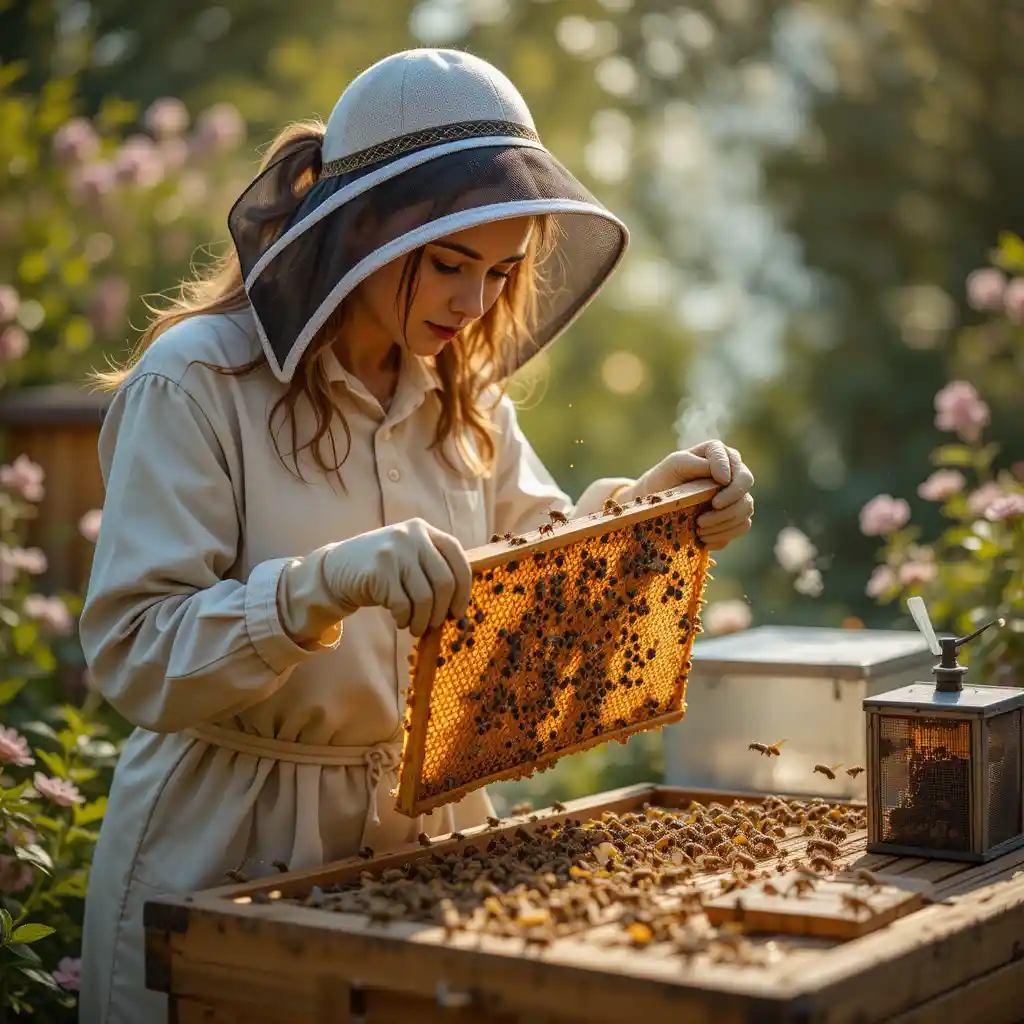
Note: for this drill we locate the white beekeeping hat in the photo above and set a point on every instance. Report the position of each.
(422, 144)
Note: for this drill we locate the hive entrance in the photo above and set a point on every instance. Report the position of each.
(571, 638)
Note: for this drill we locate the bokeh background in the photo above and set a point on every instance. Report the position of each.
(826, 201)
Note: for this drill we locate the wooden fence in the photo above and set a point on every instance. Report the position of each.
(58, 427)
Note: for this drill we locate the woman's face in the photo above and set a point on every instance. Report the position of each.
(460, 277)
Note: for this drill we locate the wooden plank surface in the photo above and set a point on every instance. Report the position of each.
(837, 908)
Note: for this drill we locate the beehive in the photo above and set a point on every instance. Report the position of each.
(576, 634)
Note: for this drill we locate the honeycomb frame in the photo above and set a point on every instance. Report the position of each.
(652, 591)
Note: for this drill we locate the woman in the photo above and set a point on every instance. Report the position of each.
(294, 467)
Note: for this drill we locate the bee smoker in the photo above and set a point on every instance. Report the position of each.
(945, 775)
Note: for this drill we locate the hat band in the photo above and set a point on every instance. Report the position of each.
(426, 137)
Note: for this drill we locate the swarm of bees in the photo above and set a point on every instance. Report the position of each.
(639, 877)
(829, 771)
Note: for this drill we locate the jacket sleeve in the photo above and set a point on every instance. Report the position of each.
(170, 639)
(524, 489)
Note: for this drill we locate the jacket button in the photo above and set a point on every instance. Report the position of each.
(394, 475)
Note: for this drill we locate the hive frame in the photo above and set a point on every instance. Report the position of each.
(489, 556)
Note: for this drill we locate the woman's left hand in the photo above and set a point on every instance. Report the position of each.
(732, 507)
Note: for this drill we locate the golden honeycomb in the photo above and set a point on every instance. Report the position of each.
(573, 637)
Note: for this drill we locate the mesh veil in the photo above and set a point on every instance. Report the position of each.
(349, 225)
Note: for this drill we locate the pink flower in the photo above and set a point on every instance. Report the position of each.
(978, 502)
(985, 289)
(942, 485)
(1013, 299)
(726, 617)
(24, 476)
(69, 973)
(13, 343)
(29, 560)
(883, 515)
(138, 162)
(174, 153)
(912, 573)
(59, 791)
(89, 524)
(794, 550)
(15, 874)
(75, 142)
(9, 303)
(883, 579)
(960, 409)
(1009, 506)
(219, 129)
(165, 117)
(51, 611)
(14, 747)
(90, 185)
(108, 303)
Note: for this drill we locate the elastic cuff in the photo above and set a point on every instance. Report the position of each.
(263, 623)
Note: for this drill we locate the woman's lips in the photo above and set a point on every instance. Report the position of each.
(447, 333)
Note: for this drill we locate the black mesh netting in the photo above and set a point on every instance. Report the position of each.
(289, 293)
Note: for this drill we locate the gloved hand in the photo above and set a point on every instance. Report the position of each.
(415, 571)
(732, 506)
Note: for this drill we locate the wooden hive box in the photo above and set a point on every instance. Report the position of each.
(253, 952)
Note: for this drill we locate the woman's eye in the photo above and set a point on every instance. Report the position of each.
(498, 273)
(444, 268)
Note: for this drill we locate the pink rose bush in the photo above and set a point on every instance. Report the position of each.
(973, 571)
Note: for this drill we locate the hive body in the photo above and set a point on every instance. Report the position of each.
(573, 637)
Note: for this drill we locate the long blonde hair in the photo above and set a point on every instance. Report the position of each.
(465, 369)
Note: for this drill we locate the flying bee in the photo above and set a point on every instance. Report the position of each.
(855, 771)
(761, 748)
(828, 772)
(773, 748)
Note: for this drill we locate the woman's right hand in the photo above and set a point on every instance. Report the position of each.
(419, 573)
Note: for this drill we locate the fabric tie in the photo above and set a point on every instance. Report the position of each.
(376, 759)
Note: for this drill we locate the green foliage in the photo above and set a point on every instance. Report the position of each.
(973, 570)
(94, 216)
(56, 764)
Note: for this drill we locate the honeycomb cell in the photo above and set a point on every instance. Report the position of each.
(570, 640)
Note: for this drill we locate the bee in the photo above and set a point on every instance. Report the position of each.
(558, 806)
(821, 863)
(558, 518)
(653, 499)
(545, 528)
(612, 507)
(524, 807)
(493, 821)
(770, 890)
(457, 835)
(423, 839)
(768, 749)
(516, 541)
(865, 876)
(828, 772)
(855, 771)
(495, 538)
(827, 848)
(280, 865)
(855, 904)
(801, 886)
(237, 876)
(366, 853)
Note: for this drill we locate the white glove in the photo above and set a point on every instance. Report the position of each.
(732, 506)
(417, 572)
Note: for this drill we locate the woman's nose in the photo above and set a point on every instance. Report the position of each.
(468, 301)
